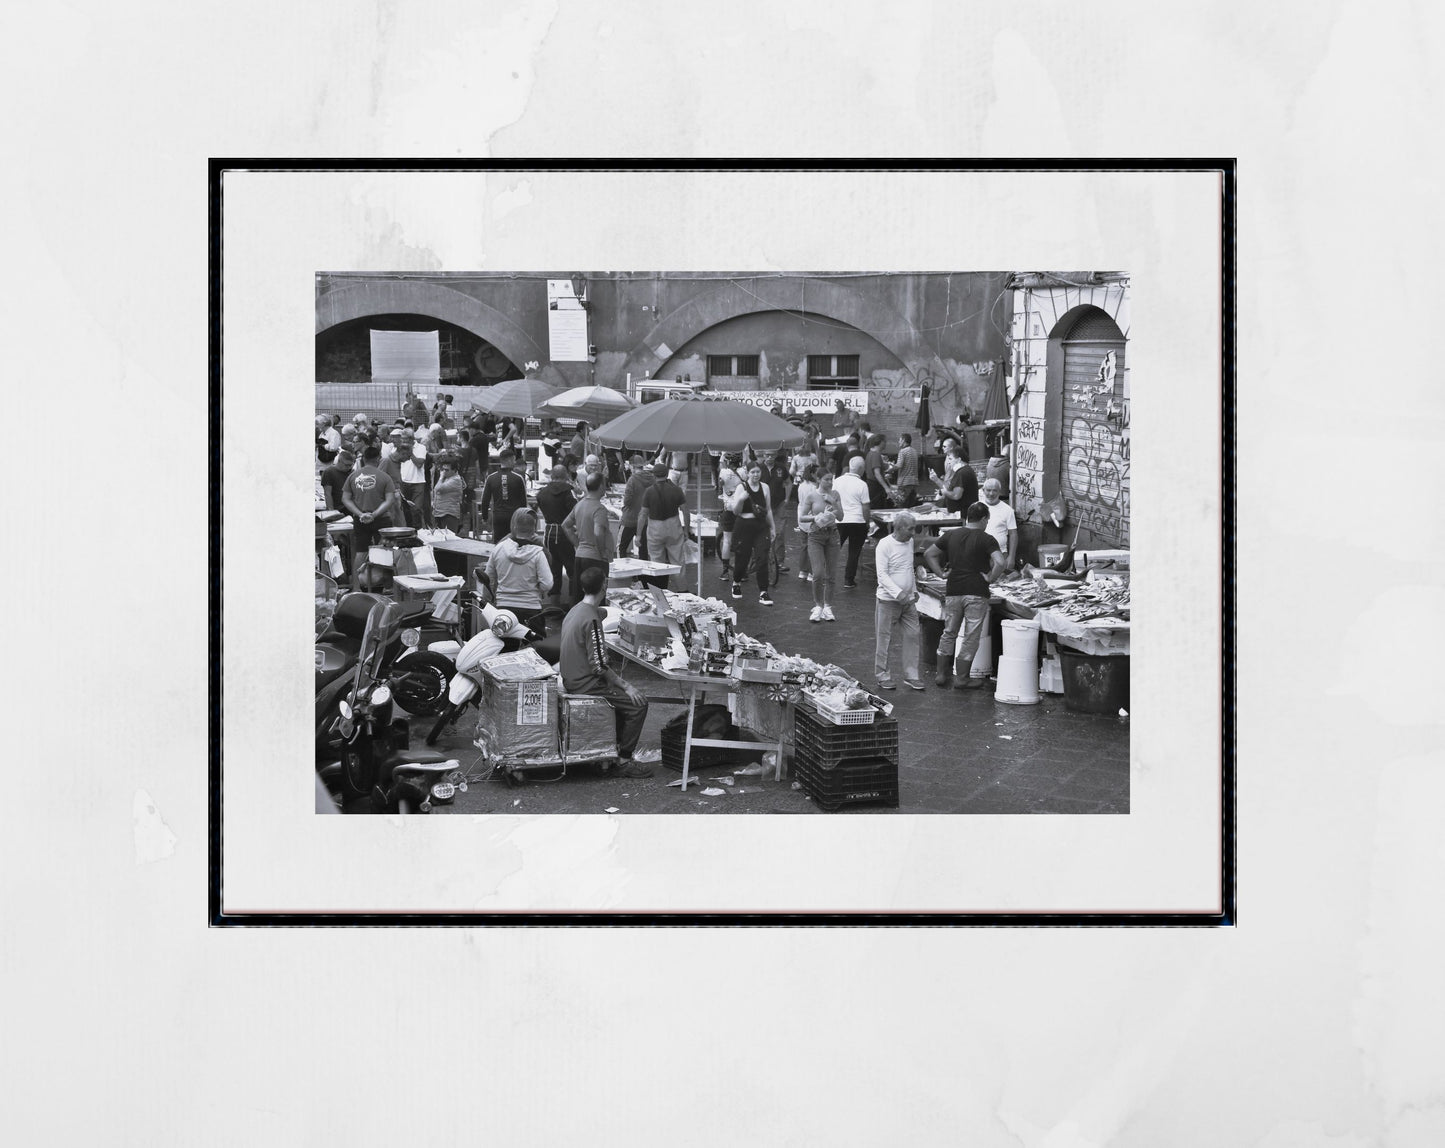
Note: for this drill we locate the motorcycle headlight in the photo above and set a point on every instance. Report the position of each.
(411, 637)
(381, 695)
(443, 791)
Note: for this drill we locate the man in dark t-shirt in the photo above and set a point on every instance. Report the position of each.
(503, 494)
(371, 498)
(586, 670)
(334, 477)
(970, 557)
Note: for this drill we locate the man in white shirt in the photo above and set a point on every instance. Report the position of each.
(1001, 521)
(897, 593)
(853, 526)
(410, 455)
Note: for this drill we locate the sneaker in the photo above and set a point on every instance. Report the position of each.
(784, 569)
(737, 590)
(913, 685)
(816, 615)
(809, 577)
(763, 599)
(850, 585)
(884, 685)
(804, 576)
(828, 614)
(631, 768)
(726, 573)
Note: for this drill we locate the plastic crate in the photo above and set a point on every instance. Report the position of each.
(818, 744)
(674, 741)
(872, 781)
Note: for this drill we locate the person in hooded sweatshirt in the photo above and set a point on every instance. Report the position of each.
(519, 573)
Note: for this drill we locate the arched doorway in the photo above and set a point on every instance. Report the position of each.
(1087, 366)
(343, 351)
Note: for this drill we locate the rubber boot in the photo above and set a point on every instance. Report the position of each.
(941, 679)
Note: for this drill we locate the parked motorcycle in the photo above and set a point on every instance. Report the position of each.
(360, 675)
(504, 633)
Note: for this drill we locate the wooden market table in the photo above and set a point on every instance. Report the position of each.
(697, 683)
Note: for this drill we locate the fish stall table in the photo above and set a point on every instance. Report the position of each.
(694, 684)
(1106, 634)
(473, 552)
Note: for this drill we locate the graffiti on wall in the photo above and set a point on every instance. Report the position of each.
(1096, 471)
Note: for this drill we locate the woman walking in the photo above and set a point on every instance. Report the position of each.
(752, 506)
(807, 484)
(820, 509)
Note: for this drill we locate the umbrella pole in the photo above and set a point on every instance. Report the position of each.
(699, 529)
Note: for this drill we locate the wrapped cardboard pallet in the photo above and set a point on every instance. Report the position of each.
(518, 717)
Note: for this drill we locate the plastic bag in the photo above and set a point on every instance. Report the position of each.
(332, 555)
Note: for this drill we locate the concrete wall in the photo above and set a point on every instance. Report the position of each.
(1038, 317)
(943, 329)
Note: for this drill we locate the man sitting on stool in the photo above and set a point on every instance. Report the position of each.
(585, 670)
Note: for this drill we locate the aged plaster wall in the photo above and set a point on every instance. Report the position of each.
(1102, 446)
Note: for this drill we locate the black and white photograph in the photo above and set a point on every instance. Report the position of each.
(723, 542)
(615, 530)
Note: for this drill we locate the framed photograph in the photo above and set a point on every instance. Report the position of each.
(1019, 375)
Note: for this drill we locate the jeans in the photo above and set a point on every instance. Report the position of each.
(805, 555)
(747, 534)
(889, 615)
(823, 557)
(854, 534)
(628, 534)
(780, 542)
(972, 611)
(631, 716)
(560, 556)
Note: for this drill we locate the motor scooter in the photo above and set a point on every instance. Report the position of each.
(355, 720)
(504, 634)
(417, 678)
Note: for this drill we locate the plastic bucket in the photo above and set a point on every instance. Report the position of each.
(1095, 683)
(1049, 554)
(982, 666)
(1018, 681)
(1021, 639)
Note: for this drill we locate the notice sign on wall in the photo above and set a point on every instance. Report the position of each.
(532, 702)
(566, 323)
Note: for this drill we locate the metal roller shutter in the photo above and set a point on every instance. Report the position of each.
(1094, 459)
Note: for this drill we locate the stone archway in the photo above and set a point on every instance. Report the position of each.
(809, 296)
(410, 296)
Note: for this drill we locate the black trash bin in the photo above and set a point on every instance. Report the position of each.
(1095, 683)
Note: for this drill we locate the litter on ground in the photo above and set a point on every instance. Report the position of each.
(713, 791)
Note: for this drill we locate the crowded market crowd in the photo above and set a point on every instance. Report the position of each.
(804, 513)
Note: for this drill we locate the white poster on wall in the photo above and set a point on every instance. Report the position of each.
(566, 323)
(411, 355)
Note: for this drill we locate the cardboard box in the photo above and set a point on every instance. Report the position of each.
(588, 728)
(522, 665)
(517, 721)
(646, 631)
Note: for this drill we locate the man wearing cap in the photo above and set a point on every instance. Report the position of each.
(637, 486)
(586, 670)
(334, 477)
(519, 574)
(657, 521)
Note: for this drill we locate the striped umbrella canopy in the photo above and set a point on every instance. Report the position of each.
(517, 398)
(595, 404)
(698, 424)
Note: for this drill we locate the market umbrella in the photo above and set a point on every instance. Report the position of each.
(595, 404)
(517, 398)
(698, 424)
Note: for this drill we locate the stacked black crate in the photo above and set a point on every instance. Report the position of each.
(846, 764)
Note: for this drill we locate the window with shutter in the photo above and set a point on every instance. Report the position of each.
(832, 372)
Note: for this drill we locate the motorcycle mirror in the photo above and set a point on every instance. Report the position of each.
(345, 709)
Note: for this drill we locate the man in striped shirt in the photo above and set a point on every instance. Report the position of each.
(906, 468)
(586, 670)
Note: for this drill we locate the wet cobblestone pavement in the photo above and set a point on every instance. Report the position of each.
(959, 751)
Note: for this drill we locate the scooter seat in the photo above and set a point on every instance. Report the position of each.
(417, 757)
